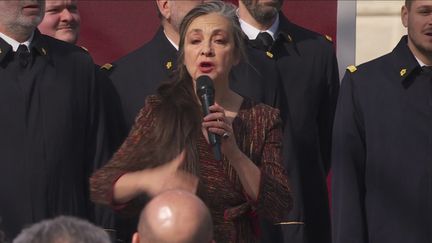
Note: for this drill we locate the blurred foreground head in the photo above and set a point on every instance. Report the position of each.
(63, 229)
(175, 216)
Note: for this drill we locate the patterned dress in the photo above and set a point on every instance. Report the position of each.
(258, 133)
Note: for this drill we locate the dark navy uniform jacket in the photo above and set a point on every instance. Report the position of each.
(382, 152)
(309, 83)
(141, 72)
(256, 78)
(50, 114)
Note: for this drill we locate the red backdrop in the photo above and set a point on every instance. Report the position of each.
(111, 29)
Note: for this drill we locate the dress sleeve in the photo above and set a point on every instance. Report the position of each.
(103, 180)
(274, 199)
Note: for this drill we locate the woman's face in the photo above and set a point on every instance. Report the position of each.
(209, 47)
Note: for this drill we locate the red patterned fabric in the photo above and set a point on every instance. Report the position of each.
(258, 134)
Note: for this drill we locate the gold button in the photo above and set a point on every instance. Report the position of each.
(169, 65)
(269, 54)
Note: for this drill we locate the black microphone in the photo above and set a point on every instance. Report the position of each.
(206, 93)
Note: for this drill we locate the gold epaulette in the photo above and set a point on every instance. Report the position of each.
(352, 68)
(107, 66)
(85, 49)
(328, 38)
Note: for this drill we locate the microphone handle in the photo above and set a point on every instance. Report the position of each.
(206, 102)
(215, 142)
(217, 152)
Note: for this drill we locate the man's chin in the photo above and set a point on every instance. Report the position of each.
(29, 22)
(265, 15)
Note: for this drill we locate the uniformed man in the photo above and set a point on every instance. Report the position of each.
(62, 20)
(382, 152)
(50, 117)
(140, 73)
(308, 74)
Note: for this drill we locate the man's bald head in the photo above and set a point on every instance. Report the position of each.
(175, 216)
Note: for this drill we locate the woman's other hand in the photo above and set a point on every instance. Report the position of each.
(155, 180)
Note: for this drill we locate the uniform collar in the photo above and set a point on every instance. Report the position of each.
(15, 44)
(40, 45)
(420, 62)
(284, 32)
(252, 32)
(9, 45)
(5, 49)
(405, 64)
(171, 41)
(36, 44)
(168, 52)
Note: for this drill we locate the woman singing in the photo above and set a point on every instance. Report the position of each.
(170, 133)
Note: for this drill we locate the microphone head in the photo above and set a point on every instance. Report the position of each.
(204, 84)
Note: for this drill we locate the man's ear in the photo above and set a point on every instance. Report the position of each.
(135, 238)
(404, 16)
(164, 8)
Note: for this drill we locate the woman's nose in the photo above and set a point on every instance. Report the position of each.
(207, 51)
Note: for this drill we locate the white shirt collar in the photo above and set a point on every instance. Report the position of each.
(15, 43)
(172, 42)
(252, 32)
(422, 64)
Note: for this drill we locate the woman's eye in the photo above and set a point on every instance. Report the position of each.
(220, 41)
(195, 41)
